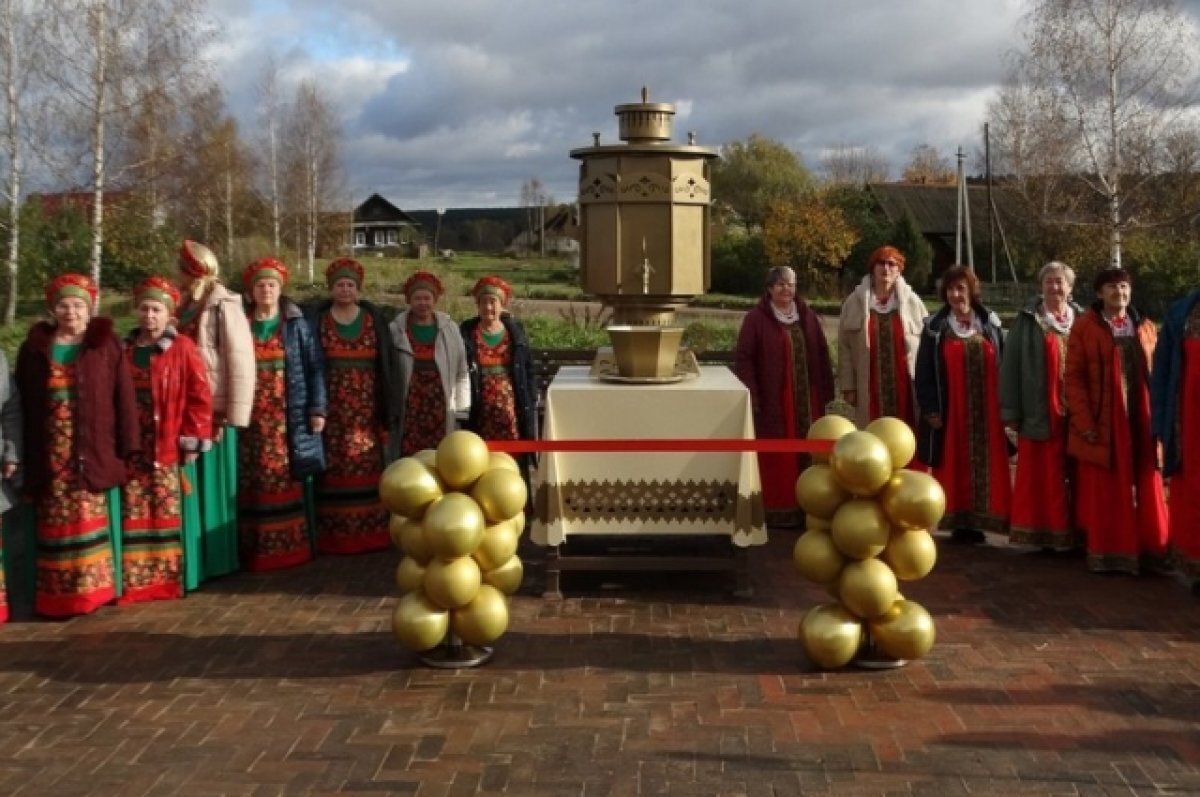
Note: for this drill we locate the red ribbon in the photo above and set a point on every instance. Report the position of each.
(724, 445)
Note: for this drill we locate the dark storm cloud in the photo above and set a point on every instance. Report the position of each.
(474, 96)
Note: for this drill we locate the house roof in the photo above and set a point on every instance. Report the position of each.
(934, 208)
(377, 210)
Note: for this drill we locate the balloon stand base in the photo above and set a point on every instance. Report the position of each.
(877, 662)
(456, 656)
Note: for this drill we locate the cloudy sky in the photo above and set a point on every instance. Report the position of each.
(457, 103)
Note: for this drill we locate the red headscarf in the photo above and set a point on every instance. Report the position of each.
(197, 260)
(263, 268)
(77, 285)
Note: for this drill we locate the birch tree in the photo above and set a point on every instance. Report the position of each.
(112, 59)
(269, 109)
(20, 29)
(1105, 85)
(313, 143)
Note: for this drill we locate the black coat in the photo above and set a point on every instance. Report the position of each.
(520, 371)
(930, 383)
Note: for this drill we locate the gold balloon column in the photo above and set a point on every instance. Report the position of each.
(457, 515)
(868, 522)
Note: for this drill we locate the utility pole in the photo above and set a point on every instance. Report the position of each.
(987, 166)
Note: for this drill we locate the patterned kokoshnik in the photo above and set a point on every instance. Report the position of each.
(151, 507)
(272, 529)
(75, 572)
(350, 517)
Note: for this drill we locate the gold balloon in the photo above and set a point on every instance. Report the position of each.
(860, 529)
(905, 631)
(453, 525)
(861, 463)
(868, 588)
(830, 635)
(409, 537)
(818, 492)
(499, 544)
(507, 577)
(816, 557)
(913, 500)
(462, 457)
(500, 493)
(483, 620)
(897, 436)
(427, 457)
(911, 554)
(814, 523)
(502, 459)
(407, 488)
(409, 574)
(829, 427)
(452, 583)
(417, 623)
(396, 524)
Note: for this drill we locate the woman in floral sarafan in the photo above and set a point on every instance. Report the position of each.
(361, 377)
(282, 445)
(175, 415)
(433, 366)
(503, 386)
(80, 426)
(959, 432)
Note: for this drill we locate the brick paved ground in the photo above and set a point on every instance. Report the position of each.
(1045, 680)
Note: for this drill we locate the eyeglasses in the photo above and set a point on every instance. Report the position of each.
(888, 263)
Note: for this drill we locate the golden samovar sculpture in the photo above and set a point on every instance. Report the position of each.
(644, 233)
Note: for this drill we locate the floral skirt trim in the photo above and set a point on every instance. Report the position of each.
(151, 536)
(1048, 538)
(273, 529)
(75, 569)
(350, 518)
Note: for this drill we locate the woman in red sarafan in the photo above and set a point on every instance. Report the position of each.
(783, 360)
(959, 433)
(79, 415)
(879, 329)
(360, 372)
(282, 445)
(1121, 506)
(175, 415)
(1175, 423)
(1033, 405)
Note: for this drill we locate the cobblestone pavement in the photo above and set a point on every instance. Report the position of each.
(1044, 680)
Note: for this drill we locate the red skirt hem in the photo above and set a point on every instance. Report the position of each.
(154, 592)
(260, 564)
(72, 605)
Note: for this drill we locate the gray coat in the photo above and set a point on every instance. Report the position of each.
(10, 435)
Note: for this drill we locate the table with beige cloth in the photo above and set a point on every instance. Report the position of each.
(638, 494)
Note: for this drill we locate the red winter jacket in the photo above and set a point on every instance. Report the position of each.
(183, 402)
(106, 429)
